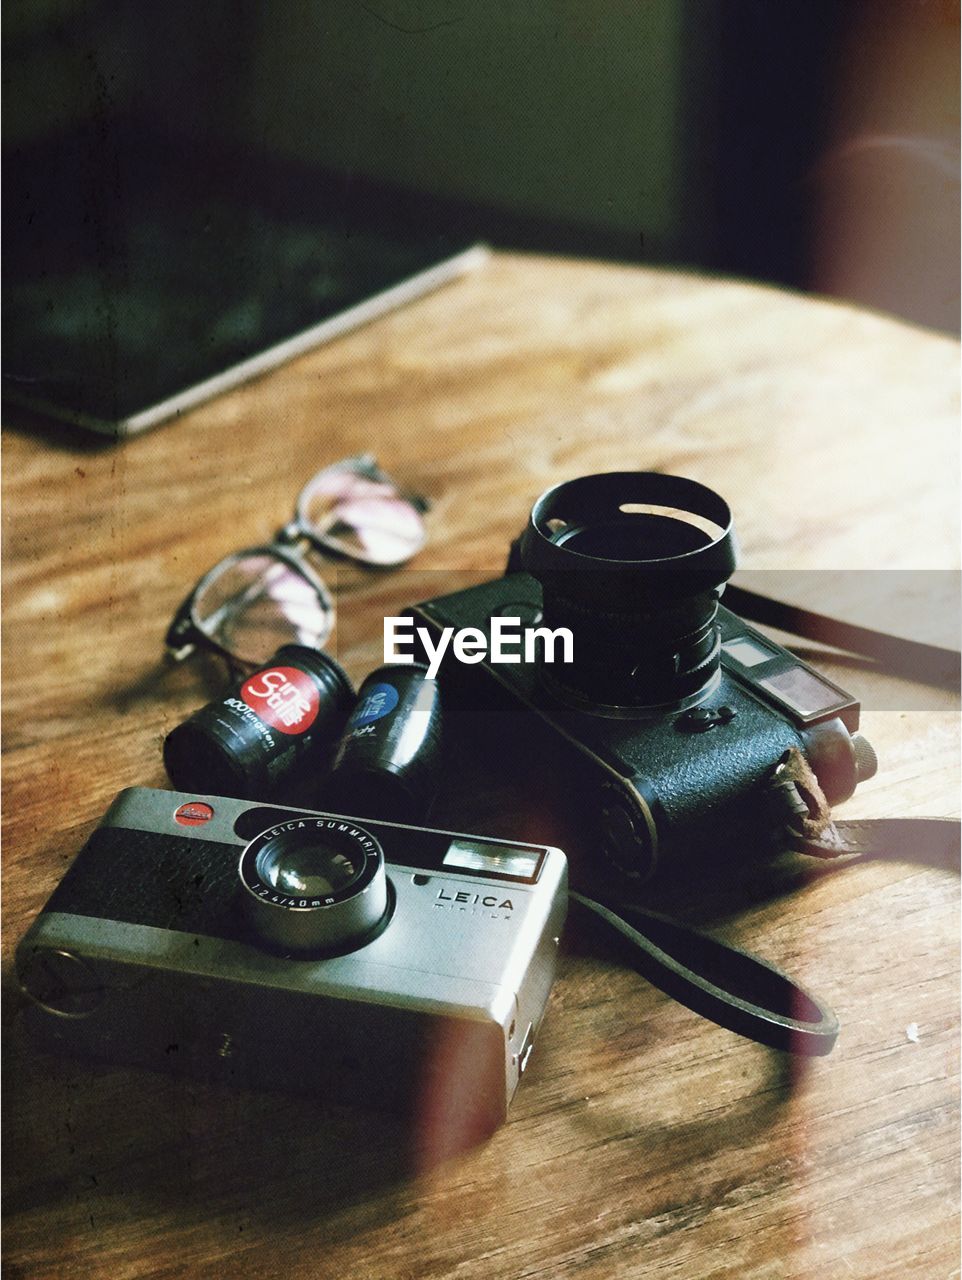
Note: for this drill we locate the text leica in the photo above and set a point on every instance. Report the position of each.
(476, 899)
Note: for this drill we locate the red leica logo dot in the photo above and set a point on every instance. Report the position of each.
(193, 814)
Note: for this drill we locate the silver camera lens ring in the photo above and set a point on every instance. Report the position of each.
(315, 885)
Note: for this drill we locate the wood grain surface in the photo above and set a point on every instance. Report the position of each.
(643, 1141)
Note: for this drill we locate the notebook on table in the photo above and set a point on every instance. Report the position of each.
(129, 301)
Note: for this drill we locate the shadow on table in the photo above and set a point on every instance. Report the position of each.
(64, 437)
(88, 1142)
(109, 1159)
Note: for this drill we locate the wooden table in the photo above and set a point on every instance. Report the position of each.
(643, 1141)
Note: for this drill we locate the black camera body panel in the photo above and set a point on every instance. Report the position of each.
(663, 787)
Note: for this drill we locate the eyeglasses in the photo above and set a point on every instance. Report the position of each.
(255, 600)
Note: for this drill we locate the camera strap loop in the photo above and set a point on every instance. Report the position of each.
(799, 803)
(744, 993)
(808, 826)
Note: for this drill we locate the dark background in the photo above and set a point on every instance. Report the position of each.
(808, 143)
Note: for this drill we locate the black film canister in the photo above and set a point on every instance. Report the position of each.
(268, 726)
(388, 762)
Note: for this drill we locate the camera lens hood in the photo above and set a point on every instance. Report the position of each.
(593, 527)
(633, 564)
(315, 885)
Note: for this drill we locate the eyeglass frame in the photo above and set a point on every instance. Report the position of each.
(185, 635)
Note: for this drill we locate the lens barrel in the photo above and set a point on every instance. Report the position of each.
(633, 562)
(315, 885)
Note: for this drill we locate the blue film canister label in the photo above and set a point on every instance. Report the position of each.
(377, 702)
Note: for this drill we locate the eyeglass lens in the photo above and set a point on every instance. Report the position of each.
(361, 516)
(256, 602)
(259, 602)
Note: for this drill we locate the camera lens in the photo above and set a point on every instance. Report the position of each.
(633, 563)
(314, 885)
(311, 869)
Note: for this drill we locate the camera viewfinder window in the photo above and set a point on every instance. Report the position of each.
(748, 652)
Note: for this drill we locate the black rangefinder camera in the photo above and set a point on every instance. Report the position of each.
(673, 713)
(360, 961)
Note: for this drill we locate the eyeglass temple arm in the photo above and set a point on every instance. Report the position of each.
(181, 638)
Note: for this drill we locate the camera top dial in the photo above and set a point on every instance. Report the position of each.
(315, 885)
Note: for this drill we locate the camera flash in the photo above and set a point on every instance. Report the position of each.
(492, 859)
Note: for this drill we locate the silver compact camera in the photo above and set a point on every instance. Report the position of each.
(354, 960)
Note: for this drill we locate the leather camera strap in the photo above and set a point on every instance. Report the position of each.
(932, 841)
(803, 821)
(734, 988)
(739, 990)
(914, 659)
(743, 992)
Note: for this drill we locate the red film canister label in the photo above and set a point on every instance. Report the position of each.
(271, 729)
(283, 697)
